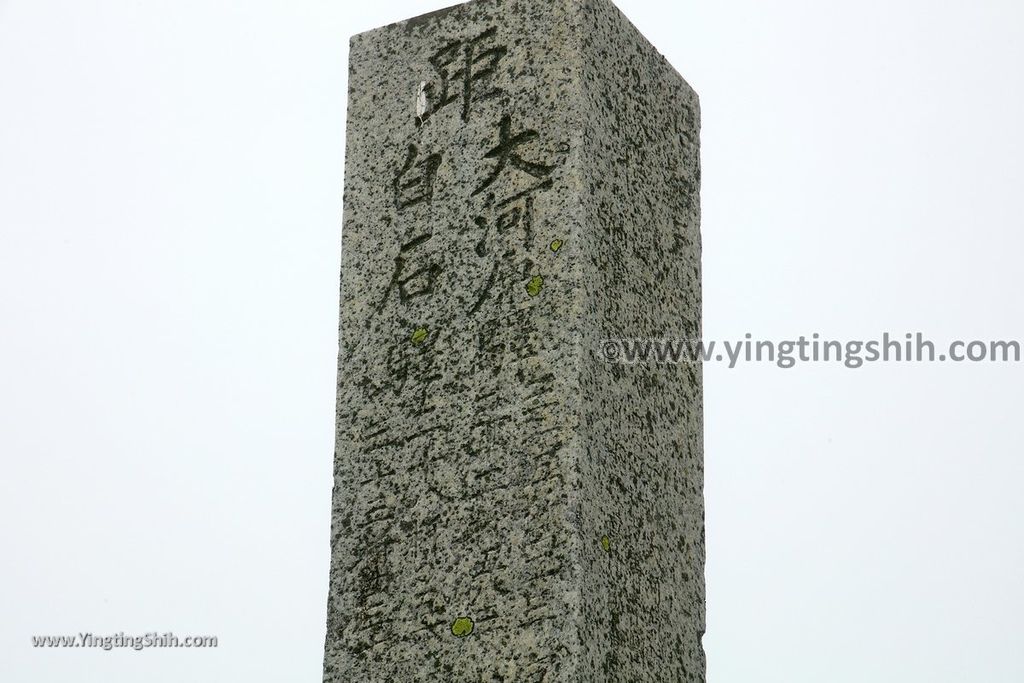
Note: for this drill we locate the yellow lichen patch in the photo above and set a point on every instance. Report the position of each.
(419, 335)
(462, 627)
(606, 544)
(534, 286)
(556, 245)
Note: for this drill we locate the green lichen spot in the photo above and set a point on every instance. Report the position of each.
(534, 286)
(462, 627)
(606, 544)
(556, 245)
(420, 335)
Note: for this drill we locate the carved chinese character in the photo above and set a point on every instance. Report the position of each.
(505, 154)
(415, 182)
(410, 280)
(519, 217)
(464, 73)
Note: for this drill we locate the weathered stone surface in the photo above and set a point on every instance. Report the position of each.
(521, 183)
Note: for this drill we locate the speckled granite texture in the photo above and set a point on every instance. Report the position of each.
(521, 183)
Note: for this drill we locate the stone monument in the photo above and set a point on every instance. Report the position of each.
(521, 184)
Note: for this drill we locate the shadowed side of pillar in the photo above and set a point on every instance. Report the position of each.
(642, 428)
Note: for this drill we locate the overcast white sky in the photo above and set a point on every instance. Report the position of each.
(170, 208)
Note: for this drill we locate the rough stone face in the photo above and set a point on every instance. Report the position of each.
(521, 184)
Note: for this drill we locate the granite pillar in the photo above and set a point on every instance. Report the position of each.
(521, 184)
